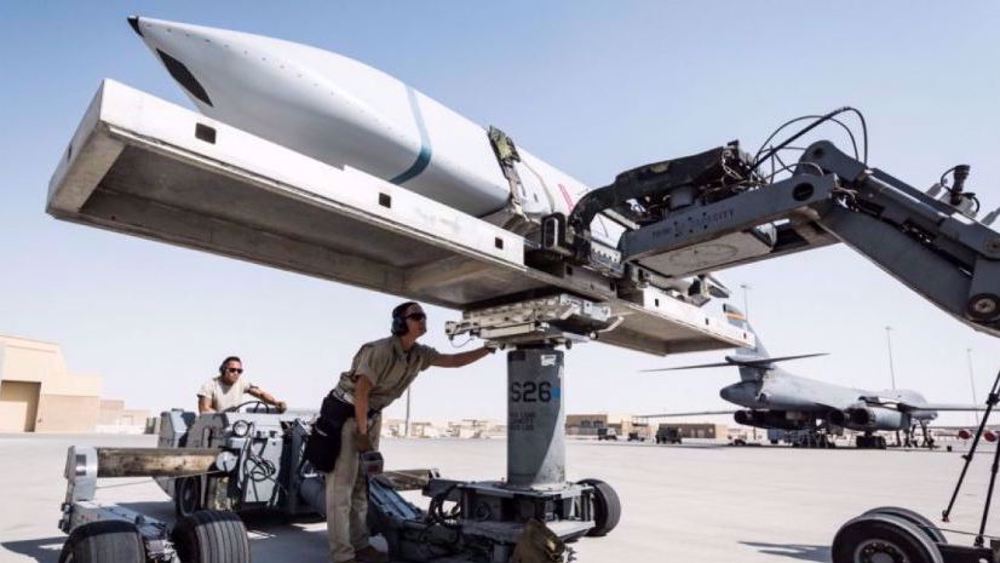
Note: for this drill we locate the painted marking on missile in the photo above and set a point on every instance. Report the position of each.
(566, 196)
(424, 157)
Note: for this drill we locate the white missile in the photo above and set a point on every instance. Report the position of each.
(345, 113)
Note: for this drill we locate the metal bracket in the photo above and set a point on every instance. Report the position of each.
(560, 319)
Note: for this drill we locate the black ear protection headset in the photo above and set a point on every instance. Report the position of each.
(222, 366)
(399, 327)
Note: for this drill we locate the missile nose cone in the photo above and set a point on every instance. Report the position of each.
(134, 22)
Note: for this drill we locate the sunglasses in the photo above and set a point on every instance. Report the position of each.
(417, 316)
(234, 370)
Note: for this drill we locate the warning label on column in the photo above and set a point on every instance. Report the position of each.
(520, 421)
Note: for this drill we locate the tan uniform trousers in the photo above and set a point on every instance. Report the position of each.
(347, 495)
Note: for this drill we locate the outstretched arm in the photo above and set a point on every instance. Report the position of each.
(267, 398)
(462, 359)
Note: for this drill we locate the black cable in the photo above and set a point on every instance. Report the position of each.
(255, 468)
(785, 167)
(435, 509)
(850, 133)
(758, 159)
(943, 182)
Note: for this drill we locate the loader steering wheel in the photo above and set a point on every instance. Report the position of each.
(254, 407)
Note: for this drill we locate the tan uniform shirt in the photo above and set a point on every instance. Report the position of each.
(390, 369)
(225, 396)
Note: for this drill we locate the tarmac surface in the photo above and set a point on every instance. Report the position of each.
(693, 502)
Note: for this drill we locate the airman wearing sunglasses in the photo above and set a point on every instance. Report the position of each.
(380, 373)
(227, 389)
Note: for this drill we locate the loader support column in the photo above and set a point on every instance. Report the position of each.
(536, 447)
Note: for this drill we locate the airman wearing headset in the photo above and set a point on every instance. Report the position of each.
(227, 389)
(380, 373)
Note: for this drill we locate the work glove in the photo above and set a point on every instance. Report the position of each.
(363, 442)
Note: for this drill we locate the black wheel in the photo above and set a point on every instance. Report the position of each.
(607, 507)
(109, 541)
(210, 536)
(925, 524)
(883, 538)
(187, 496)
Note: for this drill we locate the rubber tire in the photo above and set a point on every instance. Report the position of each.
(905, 535)
(607, 507)
(211, 536)
(108, 541)
(925, 524)
(183, 487)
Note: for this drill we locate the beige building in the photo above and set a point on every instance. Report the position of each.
(115, 418)
(589, 424)
(38, 394)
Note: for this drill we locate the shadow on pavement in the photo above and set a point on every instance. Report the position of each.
(43, 550)
(820, 553)
(273, 537)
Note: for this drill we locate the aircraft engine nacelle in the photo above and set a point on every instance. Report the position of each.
(872, 418)
(768, 419)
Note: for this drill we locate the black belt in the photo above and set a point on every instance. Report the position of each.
(346, 399)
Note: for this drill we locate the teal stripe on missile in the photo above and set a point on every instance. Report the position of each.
(424, 156)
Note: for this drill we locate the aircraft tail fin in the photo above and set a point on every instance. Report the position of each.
(738, 319)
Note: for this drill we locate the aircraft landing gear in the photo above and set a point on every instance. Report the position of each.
(870, 442)
(813, 439)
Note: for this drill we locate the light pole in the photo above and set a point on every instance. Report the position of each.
(972, 383)
(406, 425)
(746, 304)
(888, 343)
(892, 371)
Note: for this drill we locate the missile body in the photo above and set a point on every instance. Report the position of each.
(345, 113)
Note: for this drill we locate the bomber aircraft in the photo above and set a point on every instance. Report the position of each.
(776, 399)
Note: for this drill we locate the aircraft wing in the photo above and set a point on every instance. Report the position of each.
(761, 363)
(699, 366)
(680, 414)
(907, 407)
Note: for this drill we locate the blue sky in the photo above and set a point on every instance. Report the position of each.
(592, 87)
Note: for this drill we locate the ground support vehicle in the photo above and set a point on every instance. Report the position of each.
(607, 434)
(668, 434)
(217, 465)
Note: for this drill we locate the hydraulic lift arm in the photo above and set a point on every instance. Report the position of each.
(714, 210)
